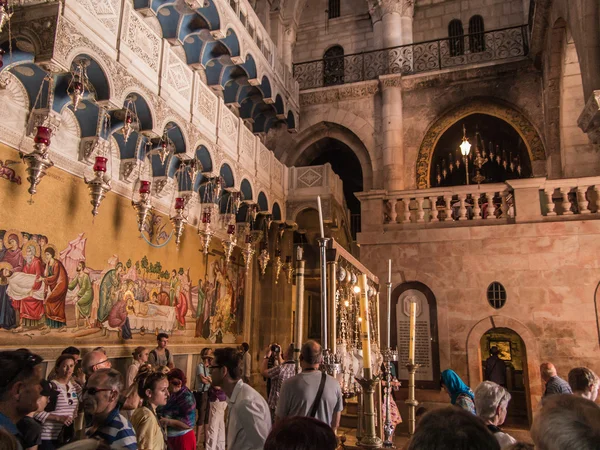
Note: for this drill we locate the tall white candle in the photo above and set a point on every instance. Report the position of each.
(389, 270)
(412, 331)
(364, 315)
(320, 217)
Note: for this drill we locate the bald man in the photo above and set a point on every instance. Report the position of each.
(93, 361)
(554, 383)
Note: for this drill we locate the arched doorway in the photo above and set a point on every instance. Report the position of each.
(513, 356)
(532, 380)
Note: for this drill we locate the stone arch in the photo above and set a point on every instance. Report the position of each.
(533, 355)
(362, 142)
(493, 107)
(98, 59)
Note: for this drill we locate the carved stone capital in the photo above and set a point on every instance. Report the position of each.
(390, 81)
(380, 8)
(43, 118)
(589, 120)
(93, 145)
(339, 93)
(129, 168)
(162, 186)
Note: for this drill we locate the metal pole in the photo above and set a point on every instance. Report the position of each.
(323, 254)
(388, 342)
(300, 264)
(332, 291)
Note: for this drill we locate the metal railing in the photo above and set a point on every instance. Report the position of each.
(414, 58)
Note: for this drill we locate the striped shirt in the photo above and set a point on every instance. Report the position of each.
(67, 403)
(116, 432)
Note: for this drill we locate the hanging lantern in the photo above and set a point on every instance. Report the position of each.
(38, 161)
(99, 185)
(278, 264)
(194, 168)
(143, 206)
(289, 269)
(164, 147)
(263, 260)
(248, 251)
(178, 220)
(76, 88)
(229, 243)
(129, 116)
(205, 231)
(5, 14)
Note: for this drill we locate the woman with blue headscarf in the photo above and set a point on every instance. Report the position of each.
(460, 394)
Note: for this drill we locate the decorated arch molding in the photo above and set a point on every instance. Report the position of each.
(509, 114)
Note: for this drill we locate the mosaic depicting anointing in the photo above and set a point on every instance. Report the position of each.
(49, 290)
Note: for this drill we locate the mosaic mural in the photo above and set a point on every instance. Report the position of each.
(49, 290)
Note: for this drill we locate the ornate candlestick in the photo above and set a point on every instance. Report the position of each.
(99, 185)
(299, 306)
(411, 401)
(369, 438)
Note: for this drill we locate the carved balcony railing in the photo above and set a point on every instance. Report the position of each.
(516, 201)
(414, 58)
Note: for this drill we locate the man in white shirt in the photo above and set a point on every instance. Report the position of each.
(248, 421)
(299, 395)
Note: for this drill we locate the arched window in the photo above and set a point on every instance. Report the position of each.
(476, 34)
(456, 38)
(333, 66)
(333, 9)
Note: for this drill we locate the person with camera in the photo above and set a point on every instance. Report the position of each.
(286, 368)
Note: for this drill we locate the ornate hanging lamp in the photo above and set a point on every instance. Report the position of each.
(99, 186)
(205, 231)
(164, 147)
(38, 161)
(130, 118)
(79, 80)
(278, 265)
(179, 219)
(231, 241)
(143, 207)
(248, 251)
(5, 13)
(263, 260)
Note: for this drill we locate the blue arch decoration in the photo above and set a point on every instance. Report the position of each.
(263, 204)
(276, 211)
(227, 174)
(246, 189)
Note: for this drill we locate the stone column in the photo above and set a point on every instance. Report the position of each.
(392, 27)
(392, 22)
(393, 132)
(289, 41)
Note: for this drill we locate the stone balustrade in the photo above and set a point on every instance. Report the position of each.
(570, 197)
(516, 201)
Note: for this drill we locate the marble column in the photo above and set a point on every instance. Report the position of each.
(289, 41)
(392, 26)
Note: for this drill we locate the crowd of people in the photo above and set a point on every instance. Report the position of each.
(85, 403)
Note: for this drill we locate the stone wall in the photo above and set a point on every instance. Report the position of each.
(433, 16)
(550, 273)
(353, 30)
